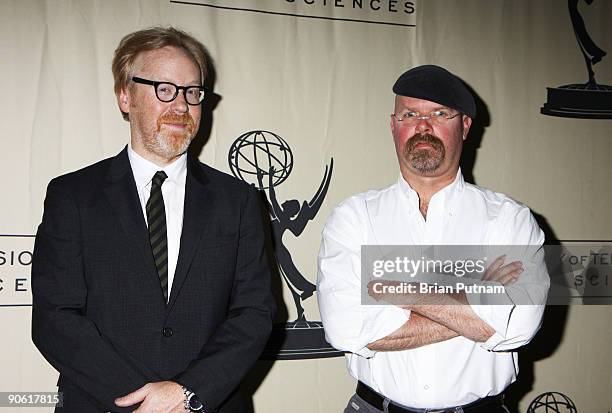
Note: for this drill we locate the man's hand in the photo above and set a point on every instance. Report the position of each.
(160, 397)
(504, 274)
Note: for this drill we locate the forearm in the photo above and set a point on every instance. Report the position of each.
(416, 332)
(453, 312)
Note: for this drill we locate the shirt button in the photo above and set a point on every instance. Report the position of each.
(426, 387)
(167, 332)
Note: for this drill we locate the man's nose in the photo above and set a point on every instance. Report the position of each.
(424, 125)
(179, 105)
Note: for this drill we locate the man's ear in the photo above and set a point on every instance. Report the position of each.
(467, 123)
(123, 100)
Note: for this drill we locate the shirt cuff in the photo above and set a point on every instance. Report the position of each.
(380, 321)
(497, 316)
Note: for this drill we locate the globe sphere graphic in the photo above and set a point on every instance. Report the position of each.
(552, 402)
(253, 154)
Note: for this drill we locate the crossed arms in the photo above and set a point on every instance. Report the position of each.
(449, 317)
(365, 329)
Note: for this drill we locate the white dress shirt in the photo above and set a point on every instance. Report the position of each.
(173, 190)
(456, 371)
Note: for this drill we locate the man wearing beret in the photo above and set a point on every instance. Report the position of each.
(459, 354)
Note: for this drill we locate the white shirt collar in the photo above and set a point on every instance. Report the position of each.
(144, 169)
(445, 195)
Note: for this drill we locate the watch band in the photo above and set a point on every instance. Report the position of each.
(189, 396)
(186, 393)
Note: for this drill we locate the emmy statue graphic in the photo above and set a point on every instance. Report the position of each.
(552, 402)
(588, 100)
(265, 160)
(291, 216)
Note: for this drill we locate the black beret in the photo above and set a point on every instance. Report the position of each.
(438, 85)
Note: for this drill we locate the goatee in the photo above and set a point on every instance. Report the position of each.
(425, 160)
(170, 142)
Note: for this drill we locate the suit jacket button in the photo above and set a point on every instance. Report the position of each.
(167, 332)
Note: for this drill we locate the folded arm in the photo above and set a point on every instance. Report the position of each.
(349, 325)
(444, 316)
(416, 332)
(481, 317)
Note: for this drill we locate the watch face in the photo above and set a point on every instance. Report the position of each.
(195, 404)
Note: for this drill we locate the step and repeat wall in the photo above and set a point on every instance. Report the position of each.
(305, 86)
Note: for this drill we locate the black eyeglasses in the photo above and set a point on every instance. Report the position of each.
(167, 92)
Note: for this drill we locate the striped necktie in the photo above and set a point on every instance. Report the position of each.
(156, 217)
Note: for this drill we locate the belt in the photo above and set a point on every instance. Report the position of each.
(377, 401)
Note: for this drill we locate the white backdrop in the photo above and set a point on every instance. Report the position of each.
(325, 86)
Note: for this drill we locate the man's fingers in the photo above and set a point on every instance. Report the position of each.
(509, 274)
(510, 278)
(164, 396)
(504, 274)
(134, 397)
(513, 267)
(495, 265)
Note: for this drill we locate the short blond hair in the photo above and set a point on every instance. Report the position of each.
(149, 39)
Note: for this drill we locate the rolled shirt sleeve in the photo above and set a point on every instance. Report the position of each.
(349, 325)
(519, 317)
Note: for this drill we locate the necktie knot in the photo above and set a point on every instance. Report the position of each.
(159, 178)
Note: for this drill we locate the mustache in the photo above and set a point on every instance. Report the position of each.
(432, 140)
(184, 119)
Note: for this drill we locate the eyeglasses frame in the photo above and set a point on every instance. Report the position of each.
(423, 117)
(155, 83)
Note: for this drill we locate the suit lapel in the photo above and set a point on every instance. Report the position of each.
(197, 213)
(122, 195)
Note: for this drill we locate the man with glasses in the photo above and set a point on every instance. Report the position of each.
(430, 352)
(150, 282)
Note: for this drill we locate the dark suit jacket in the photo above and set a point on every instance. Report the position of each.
(99, 315)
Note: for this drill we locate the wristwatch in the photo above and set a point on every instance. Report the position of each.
(192, 403)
